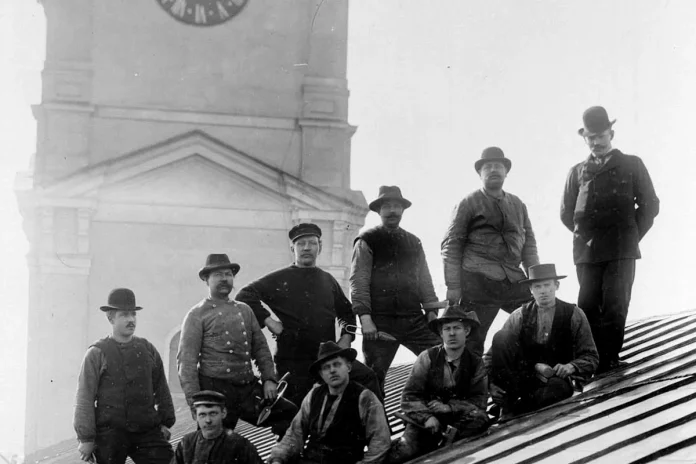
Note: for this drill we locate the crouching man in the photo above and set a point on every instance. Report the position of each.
(212, 443)
(447, 387)
(337, 419)
(543, 345)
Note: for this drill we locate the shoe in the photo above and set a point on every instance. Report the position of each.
(544, 372)
(610, 366)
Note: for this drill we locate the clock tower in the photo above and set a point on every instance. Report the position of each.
(168, 130)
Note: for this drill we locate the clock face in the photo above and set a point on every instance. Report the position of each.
(202, 12)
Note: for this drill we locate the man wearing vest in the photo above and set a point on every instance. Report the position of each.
(447, 387)
(308, 301)
(390, 286)
(489, 237)
(212, 443)
(541, 347)
(337, 420)
(609, 204)
(123, 374)
(220, 338)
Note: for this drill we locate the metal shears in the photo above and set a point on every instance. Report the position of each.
(354, 329)
(266, 411)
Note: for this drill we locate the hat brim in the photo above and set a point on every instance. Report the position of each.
(583, 131)
(435, 324)
(208, 269)
(377, 204)
(106, 308)
(529, 281)
(306, 234)
(506, 162)
(349, 353)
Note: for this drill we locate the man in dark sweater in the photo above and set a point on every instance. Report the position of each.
(339, 422)
(123, 407)
(541, 347)
(308, 301)
(390, 286)
(212, 443)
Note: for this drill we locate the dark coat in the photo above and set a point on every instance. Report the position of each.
(609, 208)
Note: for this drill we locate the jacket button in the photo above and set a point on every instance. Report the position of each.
(228, 370)
(214, 306)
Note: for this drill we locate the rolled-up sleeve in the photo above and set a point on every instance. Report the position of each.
(452, 246)
(84, 419)
(190, 342)
(376, 429)
(360, 276)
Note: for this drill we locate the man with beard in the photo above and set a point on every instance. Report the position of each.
(123, 407)
(609, 204)
(489, 236)
(390, 286)
(212, 443)
(308, 301)
(220, 338)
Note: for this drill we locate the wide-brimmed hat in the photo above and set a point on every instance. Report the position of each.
(595, 120)
(493, 154)
(455, 313)
(208, 398)
(388, 192)
(329, 350)
(305, 228)
(542, 272)
(121, 299)
(215, 262)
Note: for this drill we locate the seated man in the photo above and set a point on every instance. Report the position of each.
(542, 346)
(211, 443)
(340, 417)
(447, 387)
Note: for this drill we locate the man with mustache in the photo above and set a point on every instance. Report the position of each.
(609, 204)
(489, 236)
(220, 338)
(308, 301)
(390, 286)
(123, 407)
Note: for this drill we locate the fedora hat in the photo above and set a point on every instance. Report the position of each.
(388, 192)
(493, 154)
(121, 299)
(330, 350)
(215, 262)
(542, 272)
(595, 120)
(455, 313)
(305, 228)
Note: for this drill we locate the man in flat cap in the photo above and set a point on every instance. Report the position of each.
(308, 301)
(390, 286)
(489, 237)
(339, 422)
(123, 407)
(447, 387)
(212, 443)
(609, 204)
(542, 346)
(220, 338)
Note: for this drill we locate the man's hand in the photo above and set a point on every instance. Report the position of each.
(270, 390)
(276, 327)
(454, 295)
(369, 329)
(564, 370)
(86, 449)
(431, 315)
(432, 424)
(438, 407)
(165, 432)
(497, 393)
(345, 341)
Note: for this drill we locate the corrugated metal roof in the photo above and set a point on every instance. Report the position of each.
(643, 412)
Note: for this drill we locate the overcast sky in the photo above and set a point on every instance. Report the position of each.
(432, 84)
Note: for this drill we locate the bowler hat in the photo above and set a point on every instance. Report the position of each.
(330, 350)
(215, 262)
(455, 313)
(595, 121)
(493, 154)
(539, 272)
(386, 193)
(121, 299)
(305, 228)
(208, 397)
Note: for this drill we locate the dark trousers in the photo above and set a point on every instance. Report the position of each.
(486, 297)
(605, 293)
(242, 403)
(511, 372)
(411, 332)
(113, 446)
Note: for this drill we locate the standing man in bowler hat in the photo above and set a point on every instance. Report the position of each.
(390, 286)
(220, 338)
(123, 407)
(308, 301)
(541, 346)
(489, 237)
(609, 204)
